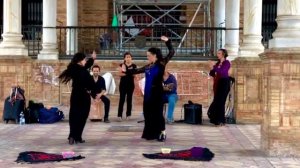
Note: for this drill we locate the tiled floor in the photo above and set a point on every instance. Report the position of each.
(118, 144)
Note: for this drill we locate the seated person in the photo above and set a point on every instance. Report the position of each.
(170, 94)
(99, 91)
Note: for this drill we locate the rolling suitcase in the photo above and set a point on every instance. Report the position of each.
(12, 110)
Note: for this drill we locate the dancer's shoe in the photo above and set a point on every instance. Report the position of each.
(162, 137)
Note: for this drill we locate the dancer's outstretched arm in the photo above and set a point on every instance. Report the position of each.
(134, 71)
(170, 48)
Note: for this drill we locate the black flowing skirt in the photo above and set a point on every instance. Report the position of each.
(153, 114)
(80, 103)
(216, 111)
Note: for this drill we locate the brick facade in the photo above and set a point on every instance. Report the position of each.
(90, 12)
(281, 97)
(192, 84)
(248, 89)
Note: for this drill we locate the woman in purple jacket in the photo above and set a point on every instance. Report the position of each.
(219, 71)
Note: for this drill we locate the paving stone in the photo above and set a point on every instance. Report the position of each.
(233, 145)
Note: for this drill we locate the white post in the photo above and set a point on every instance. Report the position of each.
(252, 45)
(72, 20)
(49, 51)
(219, 10)
(12, 38)
(287, 34)
(232, 21)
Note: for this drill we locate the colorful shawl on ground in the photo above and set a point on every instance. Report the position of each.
(40, 157)
(193, 154)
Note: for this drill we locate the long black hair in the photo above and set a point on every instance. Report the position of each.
(67, 74)
(157, 52)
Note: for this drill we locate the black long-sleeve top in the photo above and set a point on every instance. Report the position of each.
(127, 81)
(99, 86)
(154, 73)
(163, 62)
(81, 79)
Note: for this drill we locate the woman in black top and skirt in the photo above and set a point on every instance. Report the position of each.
(153, 92)
(126, 86)
(80, 101)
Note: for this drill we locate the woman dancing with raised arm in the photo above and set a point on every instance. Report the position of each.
(153, 93)
(80, 101)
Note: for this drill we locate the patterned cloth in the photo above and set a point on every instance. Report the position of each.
(193, 154)
(40, 157)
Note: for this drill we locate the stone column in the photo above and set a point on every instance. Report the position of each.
(72, 20)
(219, 9)
(248, 68)
(12, 38)
(251, 45)
(287, 33)
(281, 84)
(232, 22)
(49, 51)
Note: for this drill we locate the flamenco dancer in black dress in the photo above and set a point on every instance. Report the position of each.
(153, 94)
(80, 101)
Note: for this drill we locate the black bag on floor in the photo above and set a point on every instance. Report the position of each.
(32, 112)
(51, 115)
(192, 113)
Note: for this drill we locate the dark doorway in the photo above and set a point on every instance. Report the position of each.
(1, 18)
(32, 12)
(269, 14)
(32, 15)
(32, 19)
(1, 12)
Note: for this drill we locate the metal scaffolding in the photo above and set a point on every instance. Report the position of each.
(150, 19)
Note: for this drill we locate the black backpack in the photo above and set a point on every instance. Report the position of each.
(32, 112)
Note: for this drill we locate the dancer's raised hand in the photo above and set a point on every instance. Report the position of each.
(94, 55)
(164, 38)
